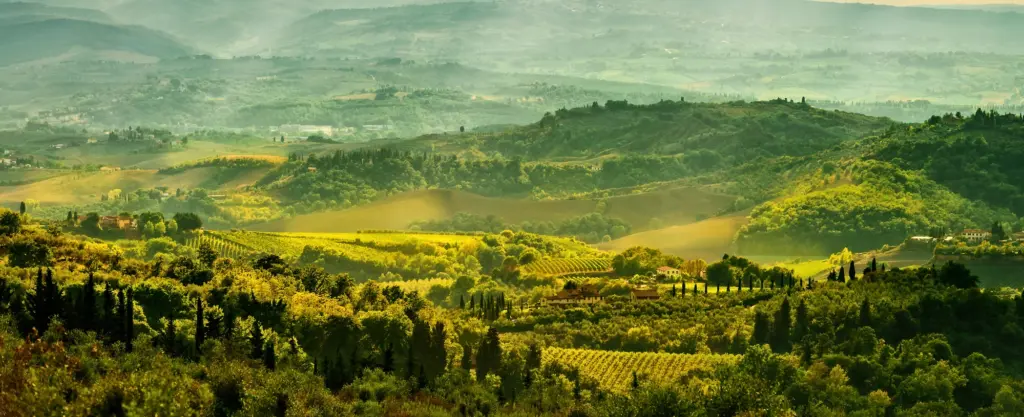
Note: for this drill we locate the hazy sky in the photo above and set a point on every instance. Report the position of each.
(931, 2)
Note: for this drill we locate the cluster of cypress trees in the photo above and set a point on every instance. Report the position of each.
(489, 307)
(109, 316)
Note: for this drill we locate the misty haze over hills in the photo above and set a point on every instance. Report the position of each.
(827, 52)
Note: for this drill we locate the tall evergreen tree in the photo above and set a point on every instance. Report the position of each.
(865, 313)
(270, 357)
(467, 358)
(841, 277)
(54, 296)
(229, 324)
(108, 312)
(439, 354)
(803, 324)
(462, 302)
(488, 357)
(389, 359)
(39, 305)
(88, 305)
(171, 337)
(762, 329)
(533, 356)
(852, 271)
(256, 341)
(200, 325)
(780, 328)
(673, 291)
(129, 321)
(874, 265)
(122, 315)
(23, 209)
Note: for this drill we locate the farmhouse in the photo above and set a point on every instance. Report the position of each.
(669, 272)
(975, 235)
(641, 294)
(1017, 237)
(586, 294)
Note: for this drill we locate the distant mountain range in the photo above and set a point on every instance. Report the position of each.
(34, 32)
(550, 29)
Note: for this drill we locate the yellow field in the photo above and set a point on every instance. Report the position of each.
(384, 237)
(673, 206)
(809, 269)
(614, 370)
(85, 187)
(708, 239)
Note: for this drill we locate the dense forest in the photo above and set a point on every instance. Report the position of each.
(87, 330)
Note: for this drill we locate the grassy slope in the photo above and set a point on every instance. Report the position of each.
(708, 239)
(673, 206)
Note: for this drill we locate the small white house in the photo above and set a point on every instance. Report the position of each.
(669, 272)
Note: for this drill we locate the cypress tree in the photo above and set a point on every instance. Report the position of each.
(88, 305)
(705, 288)
(750, 284)
(108, 313)
(410, 365)
(874, 265)
(673, 291)
(780, 329)
(438, 351)
(533, 356)
(865, 313)
(389, 359)
(122, 315)
(421, 379)
(129, 321)
(472, 302)
(256, 340)
(802, 327)
(270, 357)
(467, 358)
(636, 382)
(39, 305)
(762, 329)
(682, 289)
(841, 277)
(462, 302)
(200, 326)
(212, 327)
(853, 272)
(23, 208)
(54, 297)
(229, 324)
(170, 337)
(281, 408)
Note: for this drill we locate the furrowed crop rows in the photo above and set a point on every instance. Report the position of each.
(569, 266)
(222, 246)
(614, 370)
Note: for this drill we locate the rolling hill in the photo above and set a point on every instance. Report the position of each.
(738, 131)
(674, 206)
(35, 39)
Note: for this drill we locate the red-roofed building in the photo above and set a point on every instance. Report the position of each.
(586, 294)
(641, 294)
